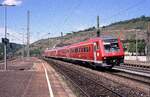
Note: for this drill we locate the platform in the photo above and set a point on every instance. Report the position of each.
(32, 78)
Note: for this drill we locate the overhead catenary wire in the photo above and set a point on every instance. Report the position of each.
(69, 15)
(125, 10)
(107, 18)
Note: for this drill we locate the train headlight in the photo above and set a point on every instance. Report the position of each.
(97, 54)
(104, 57)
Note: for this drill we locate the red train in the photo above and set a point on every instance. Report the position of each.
(104, 51)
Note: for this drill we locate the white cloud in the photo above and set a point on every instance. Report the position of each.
(12, 2)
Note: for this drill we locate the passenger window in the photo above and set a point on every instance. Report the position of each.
(82, 49)
(97, 46)
(87, 49)
(79, 49)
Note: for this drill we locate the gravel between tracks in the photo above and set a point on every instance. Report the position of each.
(122, 86)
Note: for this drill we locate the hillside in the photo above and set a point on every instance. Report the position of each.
(123, 29)
(130, 24)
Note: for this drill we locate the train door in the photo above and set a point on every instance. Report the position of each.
(94, 51)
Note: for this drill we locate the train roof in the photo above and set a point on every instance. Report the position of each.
(108, 37)
(103, 37)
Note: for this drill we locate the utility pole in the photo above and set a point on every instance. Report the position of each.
(5, 40)
(23, 46)
(148, 42)
(28, 34)
(61, 39)
(61, 34)
(136, 45)
(98, 30)
(5, 45)
(49, 39)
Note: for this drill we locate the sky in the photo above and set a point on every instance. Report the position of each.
(56, 16)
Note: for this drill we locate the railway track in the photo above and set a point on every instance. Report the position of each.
(2, 61)
(134, 73)
(88, 86)
(145, 71)
(138, 65)
(136, 68)
(92, 85)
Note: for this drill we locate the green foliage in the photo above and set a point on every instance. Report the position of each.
(140, 47)
(35, 52)
(132, 47)
(124, 47)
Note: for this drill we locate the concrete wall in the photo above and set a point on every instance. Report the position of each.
(140, 58)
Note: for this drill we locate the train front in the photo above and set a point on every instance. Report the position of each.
(113, 53)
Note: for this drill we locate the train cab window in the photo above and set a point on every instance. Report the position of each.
(111, 46)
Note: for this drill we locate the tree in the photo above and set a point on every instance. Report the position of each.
(141, 47)
(132, 47)
(35, 52)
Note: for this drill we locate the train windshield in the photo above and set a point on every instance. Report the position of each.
(111, 45)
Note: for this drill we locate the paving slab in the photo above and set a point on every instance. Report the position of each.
(31, 78)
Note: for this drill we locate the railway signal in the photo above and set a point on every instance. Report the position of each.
(5, 41)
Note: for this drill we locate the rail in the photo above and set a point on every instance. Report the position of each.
(70, 74)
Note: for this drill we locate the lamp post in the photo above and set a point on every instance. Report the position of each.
(23, 48)
(5, 44)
